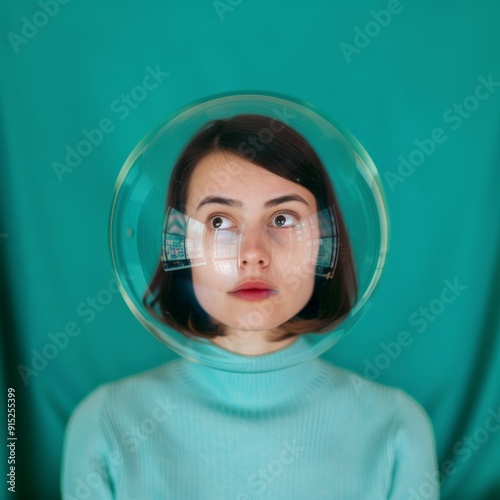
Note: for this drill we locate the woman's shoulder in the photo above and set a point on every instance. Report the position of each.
(373, 416)
(373, 398)
(138, 391)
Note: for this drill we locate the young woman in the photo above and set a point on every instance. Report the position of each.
(251, 266)
(272, 210)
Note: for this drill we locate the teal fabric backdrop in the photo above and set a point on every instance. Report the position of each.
(417, 82)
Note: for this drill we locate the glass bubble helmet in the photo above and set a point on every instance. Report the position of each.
(145, 231)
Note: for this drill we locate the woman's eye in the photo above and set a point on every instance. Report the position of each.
(283, 220)
(219, 222)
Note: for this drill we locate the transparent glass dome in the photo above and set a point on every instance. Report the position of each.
(151, 236)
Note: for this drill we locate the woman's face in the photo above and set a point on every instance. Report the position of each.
(260, 243)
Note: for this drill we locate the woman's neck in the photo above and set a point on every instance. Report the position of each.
(251, 343)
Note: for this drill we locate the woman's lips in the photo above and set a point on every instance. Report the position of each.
(253, 294)
(253, 290)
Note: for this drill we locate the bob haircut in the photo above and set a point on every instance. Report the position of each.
(277, 148)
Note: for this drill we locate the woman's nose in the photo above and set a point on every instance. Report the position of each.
(255, 250)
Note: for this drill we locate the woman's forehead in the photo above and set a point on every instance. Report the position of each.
(229, 176)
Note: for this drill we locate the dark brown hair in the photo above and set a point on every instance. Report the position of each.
(276, 147)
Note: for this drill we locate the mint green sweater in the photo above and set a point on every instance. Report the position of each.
(185, 431)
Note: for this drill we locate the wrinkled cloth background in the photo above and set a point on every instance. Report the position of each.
(417, 82)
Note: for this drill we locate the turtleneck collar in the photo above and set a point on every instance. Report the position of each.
(258, 388)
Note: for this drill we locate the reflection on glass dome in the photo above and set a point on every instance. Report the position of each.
(247, 221)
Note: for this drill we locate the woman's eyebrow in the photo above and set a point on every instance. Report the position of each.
(229, 202)
(284, 199)
(219, 200)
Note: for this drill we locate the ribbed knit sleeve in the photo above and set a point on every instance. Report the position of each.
(415, 465)
(87, 460)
